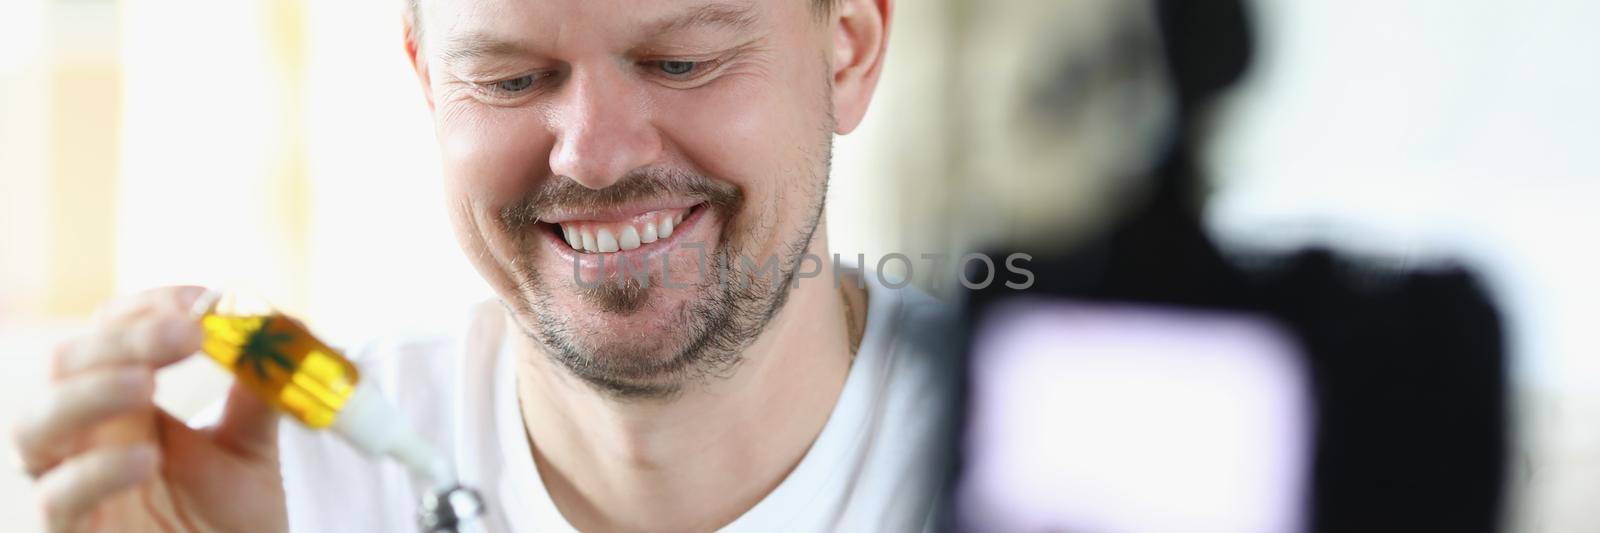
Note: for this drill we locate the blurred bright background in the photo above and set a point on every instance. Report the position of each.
(283, 145)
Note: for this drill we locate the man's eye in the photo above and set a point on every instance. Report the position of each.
(677, 68)
(515, 85)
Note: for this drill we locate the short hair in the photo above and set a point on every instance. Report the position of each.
(822, 8)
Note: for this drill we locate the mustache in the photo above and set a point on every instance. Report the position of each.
(562, 192)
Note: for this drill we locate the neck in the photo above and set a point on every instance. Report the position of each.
(705, 456)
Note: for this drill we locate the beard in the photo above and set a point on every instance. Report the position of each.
(709, 334)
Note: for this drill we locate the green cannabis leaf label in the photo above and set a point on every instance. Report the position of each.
(263, 347)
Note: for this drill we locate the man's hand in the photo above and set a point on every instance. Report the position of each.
(105, 458)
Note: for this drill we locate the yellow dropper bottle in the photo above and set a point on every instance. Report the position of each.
(276, 357)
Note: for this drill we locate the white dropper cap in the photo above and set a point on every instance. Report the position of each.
(375, 426)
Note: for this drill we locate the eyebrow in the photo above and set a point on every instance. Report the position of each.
(459, 48)
(721, 15)
(736, 16)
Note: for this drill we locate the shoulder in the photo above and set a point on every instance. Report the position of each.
(914, 407)
(909, 326)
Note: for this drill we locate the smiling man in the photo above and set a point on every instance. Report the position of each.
(610, 166)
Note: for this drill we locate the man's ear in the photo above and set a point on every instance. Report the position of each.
(860, 37)
(414, 53)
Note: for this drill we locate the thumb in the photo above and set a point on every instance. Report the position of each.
(248, 424)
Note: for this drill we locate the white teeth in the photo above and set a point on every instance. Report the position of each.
(571, 234)
(629, 238)
(588, 241)
(649, 234)
(614, 237)
(606, 241)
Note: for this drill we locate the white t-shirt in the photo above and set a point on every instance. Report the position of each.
(876, 466)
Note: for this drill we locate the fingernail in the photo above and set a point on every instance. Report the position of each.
(188, 294)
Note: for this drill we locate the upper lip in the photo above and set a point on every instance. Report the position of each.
(613, 213)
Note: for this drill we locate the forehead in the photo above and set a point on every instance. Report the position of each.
(552, 24)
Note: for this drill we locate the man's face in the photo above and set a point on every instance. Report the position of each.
(580, 135)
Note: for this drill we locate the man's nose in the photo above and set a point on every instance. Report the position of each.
(603, 129)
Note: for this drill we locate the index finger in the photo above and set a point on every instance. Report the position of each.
(174, 298)
(156, 340)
